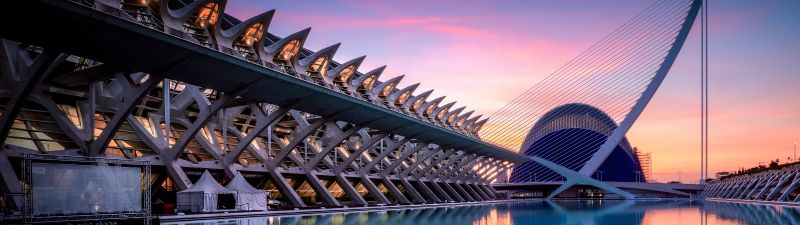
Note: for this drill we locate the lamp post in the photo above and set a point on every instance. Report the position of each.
(795, 150)
(601, 174)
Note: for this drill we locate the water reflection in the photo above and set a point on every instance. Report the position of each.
(550, 212)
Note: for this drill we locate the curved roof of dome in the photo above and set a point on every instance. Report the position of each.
(573, 109)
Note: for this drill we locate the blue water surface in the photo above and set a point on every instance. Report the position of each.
(535, 212)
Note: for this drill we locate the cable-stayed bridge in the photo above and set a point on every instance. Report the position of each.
(573, 123)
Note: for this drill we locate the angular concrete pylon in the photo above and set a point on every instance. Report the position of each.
(344, 73)
(470, 124)
(416, 102)
(174, 19)
(478, 125)
(326, 55)
(427, 108)
(368, 80)
(385, 88)
(269, 53)
(459, 121)
(451, 115)
(439, 114)
(228, 37)
(406, 93)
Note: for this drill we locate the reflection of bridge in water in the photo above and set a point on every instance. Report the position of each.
(640, 189)
(598, 212)
(531, 212)
(754, 214)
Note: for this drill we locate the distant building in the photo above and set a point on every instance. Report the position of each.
(646, 161)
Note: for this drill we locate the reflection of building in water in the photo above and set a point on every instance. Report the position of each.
(494, 217)
(527, 194)
(740, 213)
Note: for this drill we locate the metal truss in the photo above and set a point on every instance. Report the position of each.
(145, 215)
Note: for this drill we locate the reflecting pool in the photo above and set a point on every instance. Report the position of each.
(596, 212)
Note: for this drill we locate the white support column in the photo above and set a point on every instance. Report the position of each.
(793, 186)
(778, 186)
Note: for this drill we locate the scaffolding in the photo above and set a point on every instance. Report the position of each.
(645, 161)
(29, 217)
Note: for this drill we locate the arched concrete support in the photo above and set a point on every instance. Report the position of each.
(488, 191)
(792, 186)
(207, 111)
(285, 188)
(125, 108)
(297, 138)
(371, 188)
(311, 173)
(474, 195)
(31, 77)
(415, 195)
(444, 187)
(365, 171)
(777, 188)
(479, 191)
(746, 191)
(426, 154)
(450, 162)
(321, 191)
(263, 121)
(460, 190)
(435, 162)
(410, 189)
(422, 157)
(457, 177)
(468, 171)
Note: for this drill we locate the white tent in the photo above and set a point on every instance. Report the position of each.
(248, 197)
(203, 196)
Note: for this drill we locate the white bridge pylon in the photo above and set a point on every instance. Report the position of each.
(619, 77)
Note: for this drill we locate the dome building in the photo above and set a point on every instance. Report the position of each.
(569, 135)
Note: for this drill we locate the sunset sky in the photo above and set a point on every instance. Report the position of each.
(484, 53)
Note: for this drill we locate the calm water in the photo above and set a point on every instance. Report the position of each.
(556, 212)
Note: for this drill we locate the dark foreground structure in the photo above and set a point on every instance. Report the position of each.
(173, 88)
